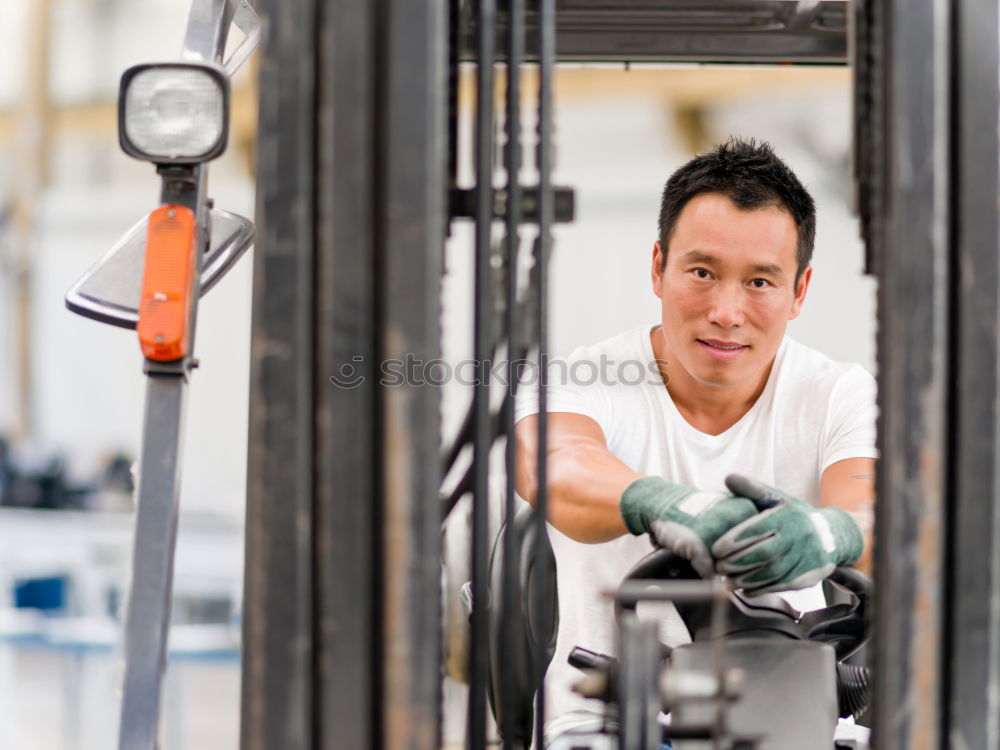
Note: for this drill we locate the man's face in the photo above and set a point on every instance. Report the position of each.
(728, 289)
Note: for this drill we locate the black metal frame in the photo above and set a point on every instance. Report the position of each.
(929, 207)
(278, 603)
(715, 31)
(357, 172)
(971, 709)
(911, 260)
(342, 601)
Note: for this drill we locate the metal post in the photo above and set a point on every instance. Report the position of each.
(411, 218)
(483, 344)
(342, 594)
(347, 511)
(546, 210)
(147, 621)
(512, 162)
(913, 266)
(972, 708)
(278, 651)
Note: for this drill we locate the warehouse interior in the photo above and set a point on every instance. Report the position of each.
(299, 501)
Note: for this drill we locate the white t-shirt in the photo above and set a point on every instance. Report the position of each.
(812, 413)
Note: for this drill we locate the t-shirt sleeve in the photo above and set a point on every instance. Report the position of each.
(851, 428)
(572, 386)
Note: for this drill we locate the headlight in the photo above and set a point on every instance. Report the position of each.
(173, 113)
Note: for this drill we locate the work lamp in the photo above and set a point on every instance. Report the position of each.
(173, 113)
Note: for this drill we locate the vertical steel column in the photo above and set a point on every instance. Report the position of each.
(546, 214)
(973, 607)
(512, 161)
(278, 655)
(913, 265)
(342, 603)
(482, 346)
(412, 218)
(346, 496)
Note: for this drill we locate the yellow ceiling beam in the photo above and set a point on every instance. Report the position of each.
(685, 85)
(101, 118)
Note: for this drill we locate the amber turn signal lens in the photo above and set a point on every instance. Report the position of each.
(167, 284)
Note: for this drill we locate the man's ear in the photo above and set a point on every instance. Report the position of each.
(656, 274)
(800, 292)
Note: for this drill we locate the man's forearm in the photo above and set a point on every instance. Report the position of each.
(585, 485)
(865, 519)
(850, 486)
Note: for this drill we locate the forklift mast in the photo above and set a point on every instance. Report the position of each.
(357, 185)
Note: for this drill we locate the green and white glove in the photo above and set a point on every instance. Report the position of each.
(685, 521)
(790, 545)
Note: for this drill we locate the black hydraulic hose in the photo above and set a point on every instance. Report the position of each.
(853, 690)
(464, 485)
(462, 439)
(464, 435)
(482, 344)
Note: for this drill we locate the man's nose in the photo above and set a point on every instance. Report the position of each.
(727, 306)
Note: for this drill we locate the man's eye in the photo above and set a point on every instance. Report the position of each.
(702, 273)
(760, 283)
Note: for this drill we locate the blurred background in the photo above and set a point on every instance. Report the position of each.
(71, 389)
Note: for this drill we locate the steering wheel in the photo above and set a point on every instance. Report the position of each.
(843, 626)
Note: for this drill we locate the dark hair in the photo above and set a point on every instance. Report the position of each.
(752, 176)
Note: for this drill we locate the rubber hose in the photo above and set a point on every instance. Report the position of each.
(853, 692)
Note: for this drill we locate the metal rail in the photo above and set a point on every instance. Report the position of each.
(972, 622)
(147, 620)
(543, 593)
(721, 31)
(482, 346)
(512, 163)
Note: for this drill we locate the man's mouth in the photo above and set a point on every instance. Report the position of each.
(725, 345)
(722, 349)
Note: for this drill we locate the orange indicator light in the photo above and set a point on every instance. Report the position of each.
(167, 284)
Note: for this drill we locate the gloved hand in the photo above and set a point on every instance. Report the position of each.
(685, 521)
(790, 545)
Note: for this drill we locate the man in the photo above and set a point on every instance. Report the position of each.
(731, 395)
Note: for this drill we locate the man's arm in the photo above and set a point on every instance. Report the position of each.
(594, 497)
(585, 480)
(850, 486)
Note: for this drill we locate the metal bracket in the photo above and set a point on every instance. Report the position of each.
(462, 204)
(247, 21)
(207, 30)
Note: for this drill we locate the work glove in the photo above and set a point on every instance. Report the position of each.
(789, 545)
(687, 522)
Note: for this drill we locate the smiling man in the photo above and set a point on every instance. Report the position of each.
(731, 394)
